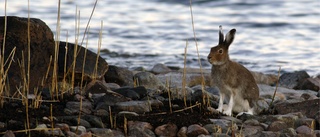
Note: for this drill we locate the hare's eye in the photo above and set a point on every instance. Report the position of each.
(220, 51)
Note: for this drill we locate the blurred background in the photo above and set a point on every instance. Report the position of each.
(142, 33)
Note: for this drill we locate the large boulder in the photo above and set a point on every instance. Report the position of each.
(41, 49)
(312, 83)
(149, 80)
(293, 80)
(94, 67)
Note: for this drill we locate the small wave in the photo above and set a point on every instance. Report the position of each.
(261, 25)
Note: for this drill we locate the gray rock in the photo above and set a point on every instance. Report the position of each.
(137, 106)
(196, 130)
(249, 130)
(94, 121)
(225, 125)
(200, 87)
(199, 94)
(311, 84)
(2, 125)
(121, 76)
(305, 130)
(54, 132)
(78, 129)
(308, 96)
(103, 132)
(288, 119)
(252, 122)
(211, 128)
(309, 107)
(87, 134)
(112, 86)
(41, 126)
(202, 135)
(179, 93)
(306, 121)
(182, 132)
(213, 90)
(292, 80)
(101, 112)
(267, 79)
(71, 134)
(82, 122)
(148, 80)
(78, 98)
(140, 129)
(219, 135)
(160, 69)
(74, 107)
(233, 119)
(264, 125)
(63, 126)
(117, 133)
(168, 130)
(127, 113)
(134, 93)
(261, 106)
(268, 134)
(96, 87)
(108, 100)
(8, 133)
(277, 126)
(288, 132)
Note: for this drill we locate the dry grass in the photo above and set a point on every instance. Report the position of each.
(184, 75)
(275, 91)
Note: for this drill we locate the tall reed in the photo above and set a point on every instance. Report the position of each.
(5, 63)
(204, 96)
(184, 75)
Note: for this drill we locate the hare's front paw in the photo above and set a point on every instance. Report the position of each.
(228, 112)
(219, 109)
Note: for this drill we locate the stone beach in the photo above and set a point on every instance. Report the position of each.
(120, 102)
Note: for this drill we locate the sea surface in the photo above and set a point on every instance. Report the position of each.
(142, 33)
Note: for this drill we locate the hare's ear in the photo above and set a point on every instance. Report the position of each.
(221, 36)
(229, 37)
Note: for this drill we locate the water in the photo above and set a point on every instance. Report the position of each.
(141, 33)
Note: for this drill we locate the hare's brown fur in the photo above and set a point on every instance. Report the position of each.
(232, 78)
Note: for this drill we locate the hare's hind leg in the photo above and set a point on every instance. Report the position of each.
(249, 112)
(247, 108)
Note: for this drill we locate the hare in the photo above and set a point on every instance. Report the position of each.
(233, 80)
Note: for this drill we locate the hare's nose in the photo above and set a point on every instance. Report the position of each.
(209, 57)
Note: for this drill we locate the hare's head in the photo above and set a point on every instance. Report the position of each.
(219, 54)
